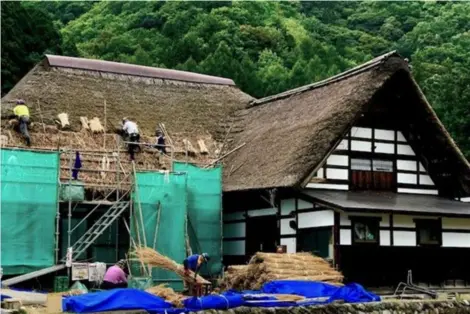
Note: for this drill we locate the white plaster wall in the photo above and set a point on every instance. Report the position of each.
(405, 149)
(407, 178)
(384, 148)
(291, 244)
(287, 206)
(417, 191)
(345, 236)
(343, 145)
(361, 146)
(321, 218)
(385, 237)
(455, 239)
(404, 238)
(339, 174)
(328, 186)
(409, 165)
(234, 247)
(262, 212)
(361, 132)
(338, 160)
(285, 227)
(456, 223)
(425, 179)
(381, 134)
(301, 204)
(234, 230)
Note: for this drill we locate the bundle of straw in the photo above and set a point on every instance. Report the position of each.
(265, 267)
(154, 259)
(168, 294)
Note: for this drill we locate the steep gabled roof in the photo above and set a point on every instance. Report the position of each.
(191, 105)
(289, 135)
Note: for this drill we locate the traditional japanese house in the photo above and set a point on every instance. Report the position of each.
(356, 168)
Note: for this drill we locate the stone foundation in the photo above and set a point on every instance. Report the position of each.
(388, 307)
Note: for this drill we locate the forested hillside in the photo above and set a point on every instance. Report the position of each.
(266, 47)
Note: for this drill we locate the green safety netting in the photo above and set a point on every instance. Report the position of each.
(204, 212)
(28, 208)
(168, 190)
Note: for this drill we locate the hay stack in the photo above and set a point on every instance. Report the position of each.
(168, 294)
(154, 259)
(265, 267)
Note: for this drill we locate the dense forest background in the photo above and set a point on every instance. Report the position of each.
(266, 47)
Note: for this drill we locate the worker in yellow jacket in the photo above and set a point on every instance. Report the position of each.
(21, 112)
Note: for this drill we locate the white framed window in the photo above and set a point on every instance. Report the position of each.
(361, 164)
(382, 165)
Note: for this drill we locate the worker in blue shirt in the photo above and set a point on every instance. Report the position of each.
(194, 263)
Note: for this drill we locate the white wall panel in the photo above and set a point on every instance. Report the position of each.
(388, 135)
(400, 137)
(343, 145)
(384, 148)
(328, 186)
(421, 167)
(456, 223)
(291, 244)
(345, 237)
(407, 178)
(403, 149)
(235, 230)
(417, 191)
(285, 227)
(425, 180)
(234, 247)
(455, 239)
(233, 216)
(361, 146)
(319, 173)
(339, 174)
(409, 165)
(301, 204)
(321, 218)
(262, 212)
(404, 238)
(338, 160)
(384, 237)
(287, 206)
(361, 132)
(465, 199)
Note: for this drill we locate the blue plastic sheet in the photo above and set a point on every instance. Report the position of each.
(353, 293)
(224, 301)
(114, 300)
(308, 289)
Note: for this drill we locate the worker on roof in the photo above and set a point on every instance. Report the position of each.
(131, 131)
(194, 263)
(21, 112)
(160, 141)
(115, 276)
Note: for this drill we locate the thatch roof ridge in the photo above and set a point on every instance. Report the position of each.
(288, 136)
(133, 70)
(343, 75)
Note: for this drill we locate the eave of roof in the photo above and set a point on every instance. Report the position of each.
(134, 70)
(390, 202)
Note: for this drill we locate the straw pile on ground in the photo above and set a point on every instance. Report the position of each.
(168, 294)
(265, 267)
(152, 258)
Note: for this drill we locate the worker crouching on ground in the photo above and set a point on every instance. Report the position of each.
(115, 277)
(21, 112)
(194, 263)
(130, 130)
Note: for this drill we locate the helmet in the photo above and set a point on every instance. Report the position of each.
(20, 102)
(206, 257)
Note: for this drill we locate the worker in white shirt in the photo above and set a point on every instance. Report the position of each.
(131, 131)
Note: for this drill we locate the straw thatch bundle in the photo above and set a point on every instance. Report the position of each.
(154, 259)
(168, 294)
(264, 267)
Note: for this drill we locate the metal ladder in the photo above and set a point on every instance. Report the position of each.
(97, 229)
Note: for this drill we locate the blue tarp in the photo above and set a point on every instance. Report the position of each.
(114, 300)
(128, 299)
(224, 301)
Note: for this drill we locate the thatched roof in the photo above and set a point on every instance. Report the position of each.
(289, 135)
(192, 106)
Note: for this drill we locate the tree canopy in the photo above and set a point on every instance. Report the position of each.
(265, 47)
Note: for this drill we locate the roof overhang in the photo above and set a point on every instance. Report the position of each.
(369, 201)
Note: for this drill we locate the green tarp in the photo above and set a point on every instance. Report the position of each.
(205, 212)
(29, 203)
(168, 190)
